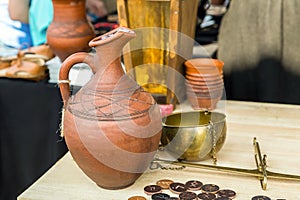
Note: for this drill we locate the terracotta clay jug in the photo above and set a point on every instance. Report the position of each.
(112, 127)
(70, 31)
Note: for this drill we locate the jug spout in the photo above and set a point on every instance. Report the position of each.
(109, 46)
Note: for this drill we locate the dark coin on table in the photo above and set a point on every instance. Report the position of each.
(260, 197)
(206, 196)
(177, 188)
(137, 198)
(164, 183)
(188, 196)
(193, 185)
(152, 189)
(210, 188)
(222, 198)
(226, 193)
(160, 196)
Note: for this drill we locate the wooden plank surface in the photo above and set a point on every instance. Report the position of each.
(277, 128)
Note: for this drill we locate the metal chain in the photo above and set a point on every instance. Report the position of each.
(156, 165)
(212, 132)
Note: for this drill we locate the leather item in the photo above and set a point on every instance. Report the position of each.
(43, 51)
(26, 67)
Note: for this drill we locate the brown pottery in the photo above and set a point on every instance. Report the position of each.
(196, 64)
(70, 31)
(204, 82)
(112, 127)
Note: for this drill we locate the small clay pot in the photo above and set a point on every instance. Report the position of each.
(202, 63)
(204, 103)
(201, 80)
(199, 92)
(202, 88)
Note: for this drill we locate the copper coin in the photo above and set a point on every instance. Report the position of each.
(226, 193)
(164, 183)
(210, 188)
(222, 198)
(177, 188)
(152, 189)
(137, 198)
(193, 185)
(160, 196)
(260, 197)
(206, 196)
(188, 196)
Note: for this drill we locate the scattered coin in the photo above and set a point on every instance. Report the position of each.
(177, 188)
(186, 191)
(164, 183)
(260, 197)
(152, 189)
(206, 196)
(210, 188)
(137, 198)
(226, 193)
(193, 185)
(160, 196)
(188, 196)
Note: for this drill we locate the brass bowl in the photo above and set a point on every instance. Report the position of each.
(194, 136)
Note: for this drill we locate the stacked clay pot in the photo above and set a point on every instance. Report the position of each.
(204, 82)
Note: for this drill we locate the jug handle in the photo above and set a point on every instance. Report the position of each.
(64, 82)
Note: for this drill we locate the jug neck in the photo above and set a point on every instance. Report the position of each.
(69, 11)
(109, 48)
(107, 67)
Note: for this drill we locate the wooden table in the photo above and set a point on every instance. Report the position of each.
(276, 127)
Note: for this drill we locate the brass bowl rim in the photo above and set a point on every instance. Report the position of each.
(192, 126)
